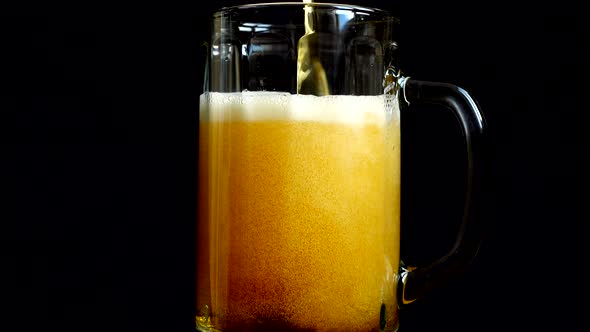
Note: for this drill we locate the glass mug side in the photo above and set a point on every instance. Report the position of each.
(299, 172)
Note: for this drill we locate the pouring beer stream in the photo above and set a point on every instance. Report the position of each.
(311, 76)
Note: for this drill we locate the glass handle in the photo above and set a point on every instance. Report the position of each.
(415, 282)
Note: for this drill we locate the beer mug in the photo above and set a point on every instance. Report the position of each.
(299, 172)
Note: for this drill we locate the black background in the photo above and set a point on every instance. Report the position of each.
(100, 157)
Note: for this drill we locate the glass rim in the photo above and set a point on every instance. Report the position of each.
(326, 5)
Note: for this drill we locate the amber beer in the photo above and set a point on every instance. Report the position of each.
(298, 223)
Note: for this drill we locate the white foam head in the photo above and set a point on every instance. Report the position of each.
(264, 106)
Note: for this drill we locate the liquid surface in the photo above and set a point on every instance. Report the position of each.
(298, 212)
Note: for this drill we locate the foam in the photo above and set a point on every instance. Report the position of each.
(264, 106)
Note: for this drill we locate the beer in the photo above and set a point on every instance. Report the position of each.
(298, 223)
